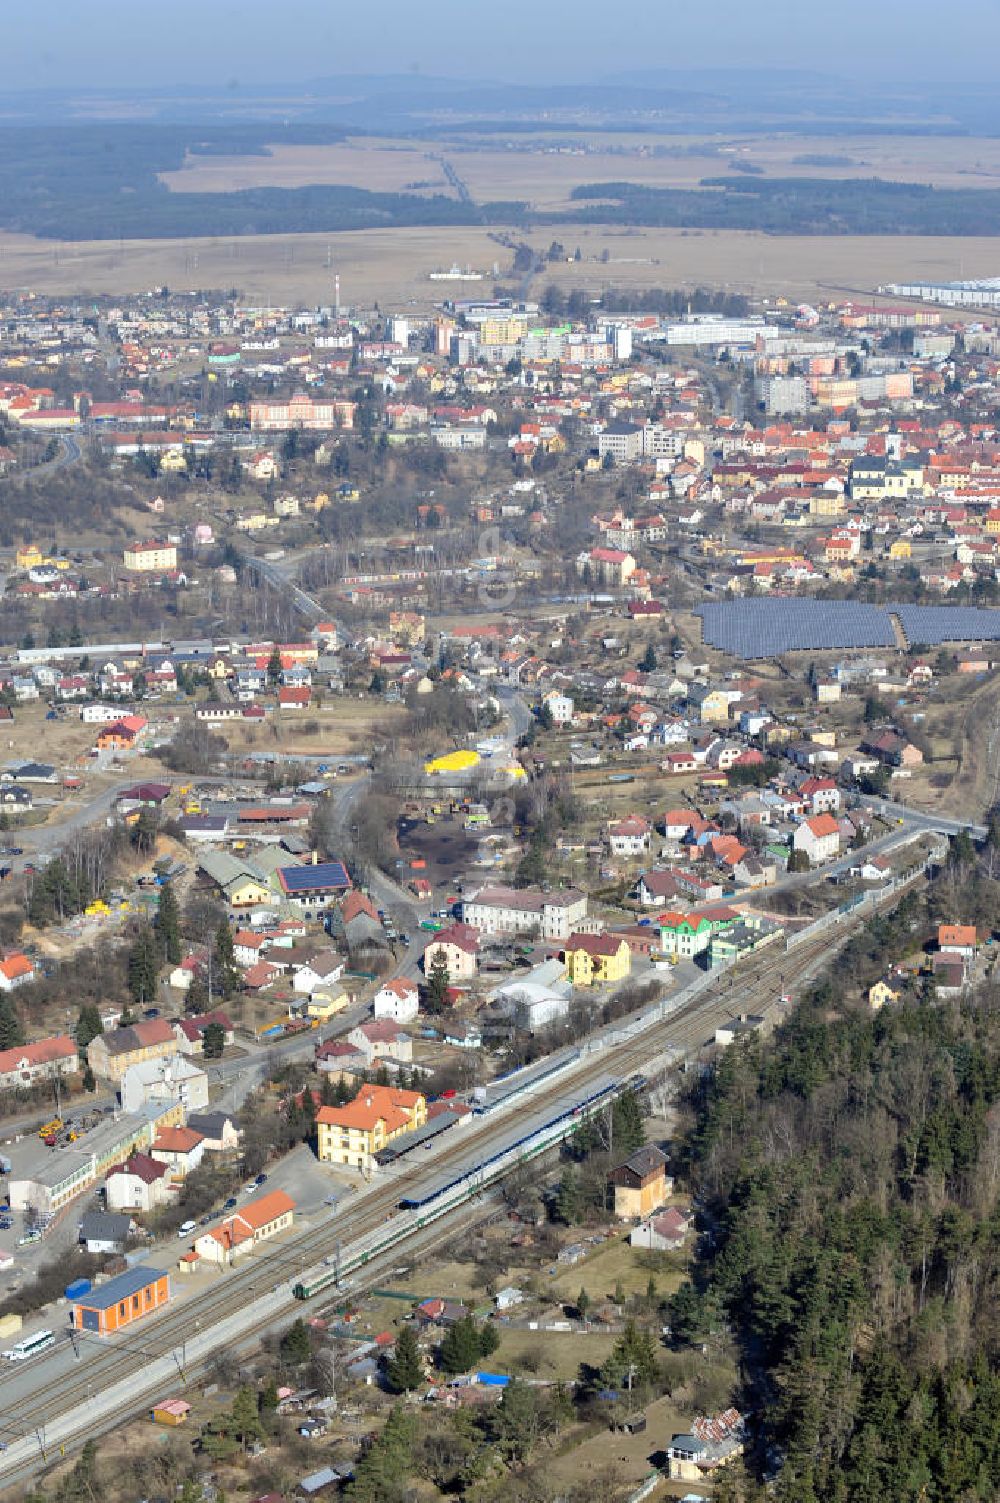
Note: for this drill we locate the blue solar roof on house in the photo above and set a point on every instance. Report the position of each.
(321, 877)
(123, 1287)
(765, 628)
(930, 625)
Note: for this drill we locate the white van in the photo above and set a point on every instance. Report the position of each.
(186, 1228)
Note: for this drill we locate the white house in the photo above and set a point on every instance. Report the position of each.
(318, 973)
(630, 836)
(398, 1000)
(822, 794)
(819, 837)
(664, 1232)
(141, 1184)
(171, 1079)
(560, 707)
(382, 1040)
(509, 910)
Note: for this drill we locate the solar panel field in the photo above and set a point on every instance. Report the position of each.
(765, 628)
(930, 625)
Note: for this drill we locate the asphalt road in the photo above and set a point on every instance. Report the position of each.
(70, 452)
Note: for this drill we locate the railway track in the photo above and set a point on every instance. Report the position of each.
(260, 1290)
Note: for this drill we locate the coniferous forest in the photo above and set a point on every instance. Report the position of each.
(849, 1171)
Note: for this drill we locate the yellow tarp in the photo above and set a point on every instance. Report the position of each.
(456, 761)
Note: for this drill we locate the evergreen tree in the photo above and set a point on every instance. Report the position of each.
(143, 967)
(88, 1025)
(213, 1041)
(648, 662)
(583, 1304)
(568, 1203)
(436, 984)
(634, 1353)
(144, 831)
(308, 1110)
(168, 924)
(405, 1368)
(517, 1422)
(295, 1344)
(246, 1425)
(274, 665)
(226, 974)
(462, 1346)
(627, 1124)
(11, 1030)
(196, 1001)
(383, 1474)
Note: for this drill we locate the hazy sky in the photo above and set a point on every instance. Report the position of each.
(108, 42)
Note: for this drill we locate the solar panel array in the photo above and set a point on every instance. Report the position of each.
(930, 625)
(765, 628)
(305, 878)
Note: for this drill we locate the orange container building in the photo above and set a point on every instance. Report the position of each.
(122, 1301)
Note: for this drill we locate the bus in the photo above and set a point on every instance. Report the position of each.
(30, 1346)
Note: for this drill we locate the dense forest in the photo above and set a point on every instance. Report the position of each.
(797, 206)
(850, 1173)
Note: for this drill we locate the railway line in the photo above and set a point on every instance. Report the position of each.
(54, 1395)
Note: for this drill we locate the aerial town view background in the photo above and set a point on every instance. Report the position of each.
(500, 804)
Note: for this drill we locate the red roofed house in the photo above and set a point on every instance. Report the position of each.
(339, 1060)
(610, 566)
(819, 837)
(260, 976)
(249, 947)
(141, 1184)
(256, 1221)
(121, 735)
(27, 1063)
(355, 905)
(190, 1032)
(663, 1233)
(458, 946)
(15, 970)
(822, 794)
(957, 939)
(679, 763)
(294, 697)
(179, 1148)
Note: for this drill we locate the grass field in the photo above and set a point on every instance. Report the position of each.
(392, 266)
(542, 170)
(382, 166)
(616, 1262)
